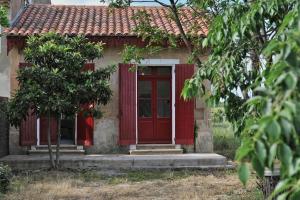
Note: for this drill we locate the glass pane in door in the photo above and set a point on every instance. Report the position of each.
(163, 108)
(163, 99)
(145, 98)
(144, 89)
(145, 108)
(163, 89)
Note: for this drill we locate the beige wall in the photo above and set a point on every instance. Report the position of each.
(4, 69)
(15, 6)
(107, 128)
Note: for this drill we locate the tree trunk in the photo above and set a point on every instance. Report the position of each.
(184, 37)
(49, 142)
(58, 141)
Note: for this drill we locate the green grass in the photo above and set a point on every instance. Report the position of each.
(225, 143)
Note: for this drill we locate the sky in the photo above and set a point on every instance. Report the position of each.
(90, 2)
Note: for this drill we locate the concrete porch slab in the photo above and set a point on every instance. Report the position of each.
(117, 161)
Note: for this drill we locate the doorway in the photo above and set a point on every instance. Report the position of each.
(154, 105)
(67, 130)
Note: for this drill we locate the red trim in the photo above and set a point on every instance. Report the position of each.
(18, 42)
(28, 130)
(127, 105)
(126, 142)
(44, 130)
(184, 110)
(155, 129)
(185, 141)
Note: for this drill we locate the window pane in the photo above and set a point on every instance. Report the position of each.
(163, 70)
(145, 108)
(163, 89)
(144, 89)
(163, 108)
(144, 70)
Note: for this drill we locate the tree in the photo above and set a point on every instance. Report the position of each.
(3, 17)
(253, 68)
(57, 84)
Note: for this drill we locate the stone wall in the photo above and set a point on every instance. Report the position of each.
(3, 132)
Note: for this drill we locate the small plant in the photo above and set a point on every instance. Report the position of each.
(5, 177)
(218, 115)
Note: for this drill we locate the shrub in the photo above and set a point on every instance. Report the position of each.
(5, 177)
(218, 115)
(225, 143)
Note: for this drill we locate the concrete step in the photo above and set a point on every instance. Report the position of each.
(67, 147)
(62, 151)
(155, 146)
(155, 151)
(120, 161)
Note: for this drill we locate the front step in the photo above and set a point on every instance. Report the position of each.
(156, 146)
(62, 146)
(155, 151)
(64, 149)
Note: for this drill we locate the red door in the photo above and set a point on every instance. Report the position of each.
(154, 105)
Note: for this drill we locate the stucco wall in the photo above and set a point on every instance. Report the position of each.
(4, 69)
(107, 128)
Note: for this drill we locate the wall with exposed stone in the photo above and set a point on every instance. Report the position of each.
(106, 129)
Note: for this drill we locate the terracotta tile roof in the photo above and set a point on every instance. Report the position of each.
(95, 20)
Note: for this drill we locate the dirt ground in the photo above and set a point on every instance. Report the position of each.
(133, 185)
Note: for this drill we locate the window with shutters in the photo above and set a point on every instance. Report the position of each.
(74, 130)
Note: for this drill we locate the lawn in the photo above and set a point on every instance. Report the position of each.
(130, 185)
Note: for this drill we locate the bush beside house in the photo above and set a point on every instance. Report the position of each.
(5, 177)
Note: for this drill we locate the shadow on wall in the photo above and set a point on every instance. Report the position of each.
(4, 130)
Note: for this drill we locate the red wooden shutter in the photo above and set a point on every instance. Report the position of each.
(184, 110)
(85, 124)
(28, 126)
(127, 105)
(28, 130)
(44, 130)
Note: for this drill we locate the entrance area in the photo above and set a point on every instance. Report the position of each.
(154, 105)
(68, 127)
(67, 130)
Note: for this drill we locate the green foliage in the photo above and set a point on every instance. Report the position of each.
(3, 17)
(244, 172)
(5, 178)
(56, 82)
(253, 68)
(218, 115)
(273, 134)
